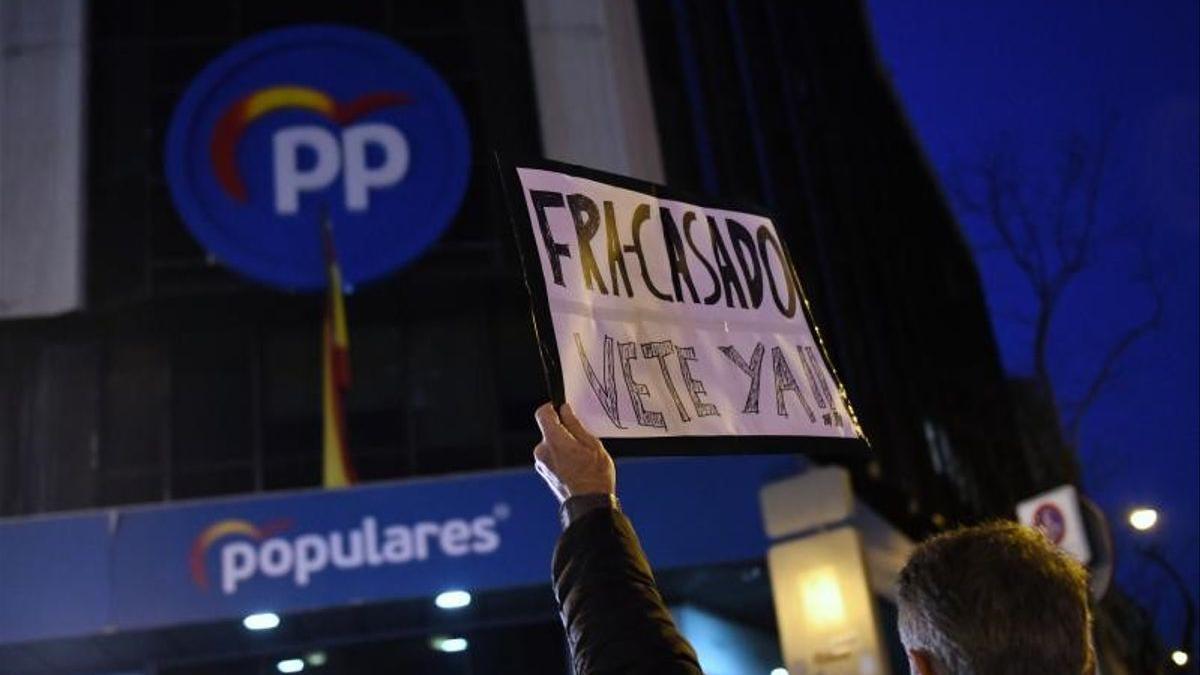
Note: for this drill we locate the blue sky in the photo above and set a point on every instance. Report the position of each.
(972, 75)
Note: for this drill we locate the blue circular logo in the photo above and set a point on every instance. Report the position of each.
(302, 126)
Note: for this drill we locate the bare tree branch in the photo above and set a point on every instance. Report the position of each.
(1052, 236)
(997, 197)
(1127, 339)
(1018, 317)
(1069, 175)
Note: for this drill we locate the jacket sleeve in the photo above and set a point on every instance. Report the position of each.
(614, 617)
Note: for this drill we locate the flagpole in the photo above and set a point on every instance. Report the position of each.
(337, 469)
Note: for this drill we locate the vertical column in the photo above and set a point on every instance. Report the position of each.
(42, 103)
(593, 92)
(830, 558)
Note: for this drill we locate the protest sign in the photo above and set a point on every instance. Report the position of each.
(672, 326)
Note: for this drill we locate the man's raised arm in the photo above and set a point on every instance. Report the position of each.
(614, 617)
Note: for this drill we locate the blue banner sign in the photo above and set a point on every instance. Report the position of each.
(159, 566)
(304, 123)
(325, 548)
(54, 576)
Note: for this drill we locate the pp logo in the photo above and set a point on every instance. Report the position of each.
(333, 155)
(303, 124)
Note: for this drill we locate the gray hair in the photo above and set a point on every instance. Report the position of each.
(996, 599)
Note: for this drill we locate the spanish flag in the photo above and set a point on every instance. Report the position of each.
(335, 374)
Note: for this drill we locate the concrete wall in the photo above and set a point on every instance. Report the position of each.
(593, 93)
(42, 154)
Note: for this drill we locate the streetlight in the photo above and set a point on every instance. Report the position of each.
(447, 644)
(454, 599)
(261, 621)
(290, 666)
(1143, 519)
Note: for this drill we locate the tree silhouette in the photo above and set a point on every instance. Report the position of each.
(1051, 226)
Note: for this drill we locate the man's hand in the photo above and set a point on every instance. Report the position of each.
(570, 459)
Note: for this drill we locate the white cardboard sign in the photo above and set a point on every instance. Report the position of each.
(661, 318)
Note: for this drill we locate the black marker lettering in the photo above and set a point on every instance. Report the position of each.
(661, 350)
(821, 387)
(785, 382)
(616, 259)
(812, 371)
(754, 370)
(675, 256)
(637, 390)
(587, 222)
(695, 387)
(765, 236)
(605, 392)
(729, 277)
(543, 200)
(743, 246)
(640, 215)
(712, 298)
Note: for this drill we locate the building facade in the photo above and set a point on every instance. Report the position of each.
(171, 378)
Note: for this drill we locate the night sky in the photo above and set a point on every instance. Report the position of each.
(973, 75)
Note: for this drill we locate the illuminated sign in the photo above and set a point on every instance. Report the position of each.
(153, 566)
(298, 124)
(246, 551)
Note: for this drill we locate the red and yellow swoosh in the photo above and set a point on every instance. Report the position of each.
(233, 123)
(225, 528)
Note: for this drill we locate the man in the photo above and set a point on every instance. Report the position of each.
(997, 599)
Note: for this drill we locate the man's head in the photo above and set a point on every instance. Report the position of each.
(994, 599)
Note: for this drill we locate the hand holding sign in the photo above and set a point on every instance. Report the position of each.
(570, 459)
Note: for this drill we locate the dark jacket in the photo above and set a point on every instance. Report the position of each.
(615, 619)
